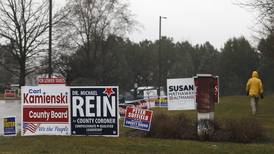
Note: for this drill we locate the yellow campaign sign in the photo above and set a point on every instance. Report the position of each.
(9, 126)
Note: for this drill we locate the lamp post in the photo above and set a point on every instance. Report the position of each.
(50, 38)
(159, 58)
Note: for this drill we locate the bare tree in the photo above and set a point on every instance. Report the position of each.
(87, 25)
(23, 24)
(265, 9)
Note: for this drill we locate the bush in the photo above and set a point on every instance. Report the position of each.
(176, 127)
(244, 130)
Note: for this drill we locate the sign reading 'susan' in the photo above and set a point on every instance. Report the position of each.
(94, 111)
(181, 94)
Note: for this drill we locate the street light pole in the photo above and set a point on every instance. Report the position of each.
(50, 39)
(159, 57)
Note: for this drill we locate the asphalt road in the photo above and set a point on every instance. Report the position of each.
(10, 108)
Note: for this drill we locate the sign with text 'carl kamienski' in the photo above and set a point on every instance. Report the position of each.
(94, 111)
(45, 110)
(181, 94)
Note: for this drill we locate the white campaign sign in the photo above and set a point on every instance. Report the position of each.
(45, 110)
(46, 129)
(150, 96)
(181, 94)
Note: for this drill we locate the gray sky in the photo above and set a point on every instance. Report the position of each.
(194, 20)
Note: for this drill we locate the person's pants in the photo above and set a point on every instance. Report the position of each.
(254, 104)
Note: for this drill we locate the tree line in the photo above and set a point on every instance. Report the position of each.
(125, 63)
(91, 48)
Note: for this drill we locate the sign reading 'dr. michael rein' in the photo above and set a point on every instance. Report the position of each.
(181, 94)
(94, 111)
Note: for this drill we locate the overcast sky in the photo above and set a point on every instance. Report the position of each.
(197, 21)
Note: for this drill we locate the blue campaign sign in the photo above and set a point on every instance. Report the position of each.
(9, 126)
(94, 111)
(138, 118)
(137, 124)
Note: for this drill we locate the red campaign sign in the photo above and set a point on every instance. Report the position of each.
(204, 94)
(56, 115)
(207, 92)
(138, 114)
(10, 93)
(51, 81)
(216, 89)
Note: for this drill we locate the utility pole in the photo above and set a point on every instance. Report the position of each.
(50, 39)
(159, 58)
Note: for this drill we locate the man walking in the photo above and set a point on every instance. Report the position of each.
(254, 89)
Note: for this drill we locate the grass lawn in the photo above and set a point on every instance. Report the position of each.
(233, 107)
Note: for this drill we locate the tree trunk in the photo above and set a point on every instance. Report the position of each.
(22, 76)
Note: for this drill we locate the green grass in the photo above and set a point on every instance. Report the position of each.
(233, 107)
(53, 144)
(238, 106)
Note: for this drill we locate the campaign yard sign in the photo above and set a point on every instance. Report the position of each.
(216, 89)
(51, 81)
(150, 96)
(9, 126)
(94, 111)
(45, 110)
(138, 118)
(181, 94)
